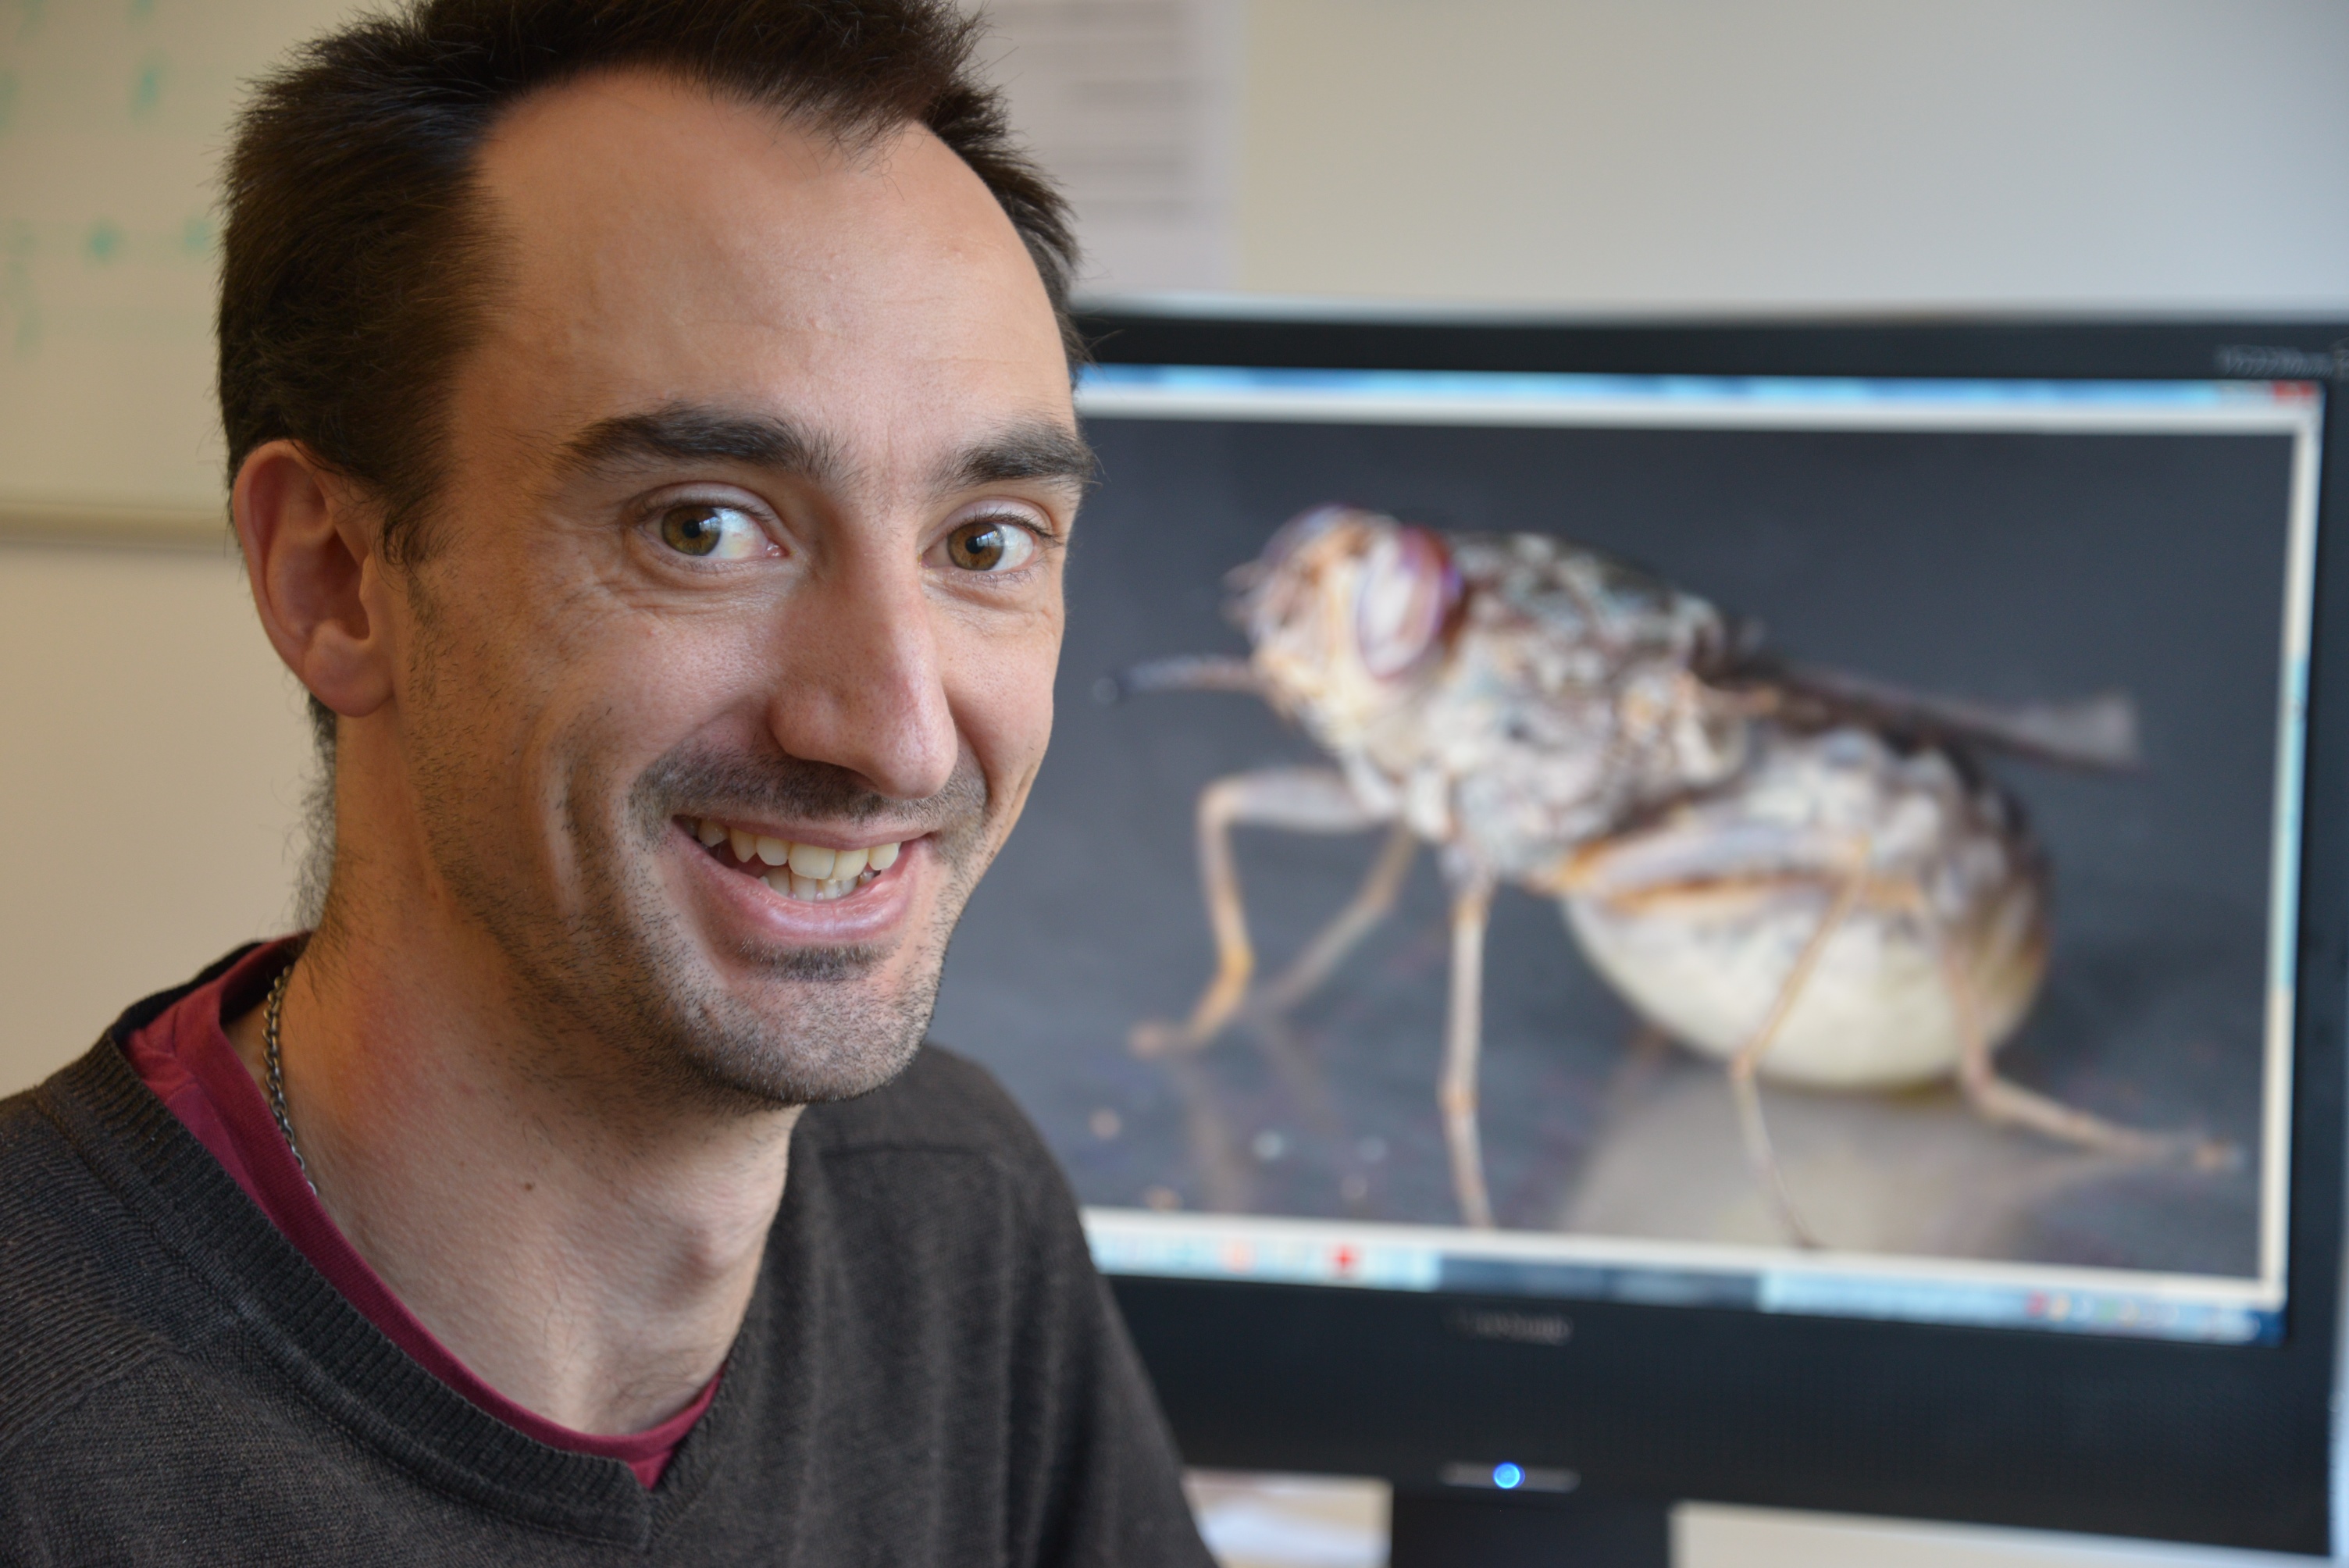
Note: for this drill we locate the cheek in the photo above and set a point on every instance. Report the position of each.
(1001, 689)
(567, 684)
(631, 686)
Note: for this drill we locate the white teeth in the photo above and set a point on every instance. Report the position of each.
(807, 889)
(812, 871)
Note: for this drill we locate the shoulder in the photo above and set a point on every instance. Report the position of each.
(940, 1151)
(930, 1293)
(72, 1259)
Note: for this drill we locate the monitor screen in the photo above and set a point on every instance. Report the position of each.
(1890, 791)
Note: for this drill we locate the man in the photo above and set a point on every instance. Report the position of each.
(652, 449)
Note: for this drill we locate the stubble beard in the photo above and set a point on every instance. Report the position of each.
(620, 984)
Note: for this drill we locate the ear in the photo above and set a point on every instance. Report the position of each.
(317, 577)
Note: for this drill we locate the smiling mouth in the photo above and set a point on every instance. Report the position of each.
(809, 874)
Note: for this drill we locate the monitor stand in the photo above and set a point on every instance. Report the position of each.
(1451, 1528)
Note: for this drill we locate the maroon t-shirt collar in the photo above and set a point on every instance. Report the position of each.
(184, 1055)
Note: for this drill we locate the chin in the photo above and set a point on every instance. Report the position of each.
(783, 1025)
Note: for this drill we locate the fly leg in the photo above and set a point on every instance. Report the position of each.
(1744, 1064)
(1267, 1013)
(1371, 902)
(2003, 1102)
(1301, 799)
(1472, 906)
(1747, 1062)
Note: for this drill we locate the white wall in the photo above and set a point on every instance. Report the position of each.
(152, 753)
(150, 780)
(1608, 154)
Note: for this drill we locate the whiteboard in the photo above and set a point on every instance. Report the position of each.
(113, 118)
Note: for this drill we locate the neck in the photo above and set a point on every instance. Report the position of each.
(588, 1251)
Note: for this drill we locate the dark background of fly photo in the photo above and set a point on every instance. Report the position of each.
(1990, 567)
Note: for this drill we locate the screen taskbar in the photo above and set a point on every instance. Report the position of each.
(1958, 1293)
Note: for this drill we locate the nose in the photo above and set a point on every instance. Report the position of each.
(859, 684)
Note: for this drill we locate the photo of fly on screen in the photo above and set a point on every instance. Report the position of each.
(1817, 833)
(1800, 873)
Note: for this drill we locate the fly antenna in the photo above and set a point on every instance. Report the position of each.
(1184, 672)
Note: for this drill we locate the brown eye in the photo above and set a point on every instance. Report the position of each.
(990, 544)
(708, 530)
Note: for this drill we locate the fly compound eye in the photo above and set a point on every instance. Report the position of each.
(1405, 593)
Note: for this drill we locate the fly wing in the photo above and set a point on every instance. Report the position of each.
(2097, 733)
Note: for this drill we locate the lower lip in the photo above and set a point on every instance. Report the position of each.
(875, 910)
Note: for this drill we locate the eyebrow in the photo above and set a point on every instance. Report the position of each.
(689, 433)
(1034, 449)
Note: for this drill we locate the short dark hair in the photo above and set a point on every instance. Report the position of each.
(357, 262)
(355, 256)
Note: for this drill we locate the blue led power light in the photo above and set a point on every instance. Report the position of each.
(1483, 1475)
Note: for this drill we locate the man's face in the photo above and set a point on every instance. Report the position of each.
(759, 479)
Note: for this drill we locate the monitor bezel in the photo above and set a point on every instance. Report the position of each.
(2223, 1445)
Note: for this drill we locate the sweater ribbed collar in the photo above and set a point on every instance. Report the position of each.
(263, 1289)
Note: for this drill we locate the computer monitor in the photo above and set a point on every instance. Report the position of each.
(1904, 1069)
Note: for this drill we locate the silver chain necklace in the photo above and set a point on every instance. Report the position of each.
(270, 1015)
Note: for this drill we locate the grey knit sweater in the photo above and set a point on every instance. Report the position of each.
(930, 1371)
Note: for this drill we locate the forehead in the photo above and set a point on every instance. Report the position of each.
(657, 245)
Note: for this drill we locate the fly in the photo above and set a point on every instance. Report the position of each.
(1803, 875)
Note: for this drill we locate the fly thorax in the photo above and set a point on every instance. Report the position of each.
(1912, 827)
(1710, 739)
(1837, 782)
(1680, 733)
(1520, 813)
